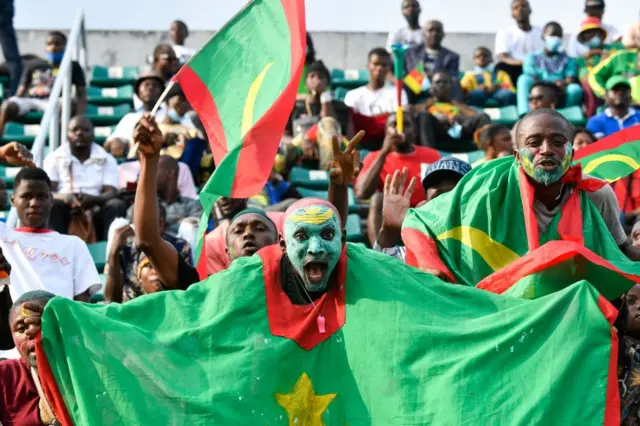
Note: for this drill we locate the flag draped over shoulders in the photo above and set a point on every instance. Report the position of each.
(408, 351)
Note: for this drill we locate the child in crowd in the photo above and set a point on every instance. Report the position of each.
(484, 86)
(495, 140)
(582, 138)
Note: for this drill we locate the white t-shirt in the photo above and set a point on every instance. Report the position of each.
(183, 52)
(406, 36)
(100, 169)
(124, 129)
(59, 264)
(365, 101)
(517, 43)
(576, 49)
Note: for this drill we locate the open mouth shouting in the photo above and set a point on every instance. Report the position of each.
(315, 271)
(249, 248)
(548, 164)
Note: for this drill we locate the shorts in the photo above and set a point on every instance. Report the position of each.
(26, 105)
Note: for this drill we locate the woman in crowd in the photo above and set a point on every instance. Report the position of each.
(495, 140)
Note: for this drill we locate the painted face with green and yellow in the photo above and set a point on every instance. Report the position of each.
(313, 242)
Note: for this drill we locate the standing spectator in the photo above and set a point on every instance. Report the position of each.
(178, 33)
(625, 63)
(449, 125)
(551, 65)
(165, 61)
(376, 97)
(485, 83)
(582, 138)
(10, 44)
(515, 43)
(543, 95)
(83, 177)
(594, 9)
(430, 56)
(37, 81)
(618, 115)
(410, 35)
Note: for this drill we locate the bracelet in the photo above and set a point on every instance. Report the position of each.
(326, 97)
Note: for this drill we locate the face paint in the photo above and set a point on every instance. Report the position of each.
(313, 241)
(540, 175)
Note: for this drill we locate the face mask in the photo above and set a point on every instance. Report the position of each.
(488, 68)
(595, 42)
(55, 57)
(313, 234)
(455, 131)
(553, 43)
(173, 115)
(540, 175)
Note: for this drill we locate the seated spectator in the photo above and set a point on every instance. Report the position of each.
(128, 177)
(485, 83)
(440, 177)
(628, 324)
(277, 194)
(376, 97)
(582, 138)
(618, 115)
(495, 140)
(429, 57)
(624, 63)
(543, 95)
(412, 34)
(551, 65)
(165, 62)
(178, 34)
(516, 42)
(635, 234)
(594, 9)
(83, 177)
(60, 264)
(23, 401)
(37, 82)
(446, 124)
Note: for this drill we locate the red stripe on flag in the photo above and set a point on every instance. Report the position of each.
(530, 220)
(630, 134)
(422, 252)
(260, 144)
(612, 401)
(198, 95)
(201, 267)
(49, 385)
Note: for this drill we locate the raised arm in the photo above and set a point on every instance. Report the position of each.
(369, 180)
(343, 171)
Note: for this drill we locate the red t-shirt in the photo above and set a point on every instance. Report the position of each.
(18, 395)
(416, 162)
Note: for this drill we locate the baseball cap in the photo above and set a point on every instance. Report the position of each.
(614, 81)
(447, 168)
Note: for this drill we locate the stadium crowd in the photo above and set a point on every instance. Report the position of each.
(137, 191)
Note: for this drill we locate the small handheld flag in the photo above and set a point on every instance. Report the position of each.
(398, 68)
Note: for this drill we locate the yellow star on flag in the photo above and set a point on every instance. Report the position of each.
(304, 407)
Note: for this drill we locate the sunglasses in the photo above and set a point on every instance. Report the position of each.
(168, 57)
(538, 98)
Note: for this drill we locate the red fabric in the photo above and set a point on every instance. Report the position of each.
(18, 395)
(33, 230)
(630, 134)
(216, 256)
(612, 404)
(298, 322)
(428, 257)
(50, 387)
(530, 220)
(420, 158)
(374, 127)
(201, 267)
(627, 192)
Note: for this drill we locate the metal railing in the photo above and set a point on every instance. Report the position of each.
(55, 120)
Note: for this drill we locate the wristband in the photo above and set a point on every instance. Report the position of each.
(326, 97)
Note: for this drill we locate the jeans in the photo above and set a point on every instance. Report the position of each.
(572, 95)
(503, 97)
(9, 43)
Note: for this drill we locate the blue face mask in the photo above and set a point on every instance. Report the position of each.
(553, 43)
(455, 131)
(173, 115)
(594, 43)
(488, 68)
(55, 57)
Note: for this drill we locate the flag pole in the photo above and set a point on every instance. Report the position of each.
(162, 96)
(398, 68)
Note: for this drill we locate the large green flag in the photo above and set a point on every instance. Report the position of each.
(487, 223)
(401, 347)
(613, 157)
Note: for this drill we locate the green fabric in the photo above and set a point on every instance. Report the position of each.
(612, 164)
(412, 351)
(479, 228)
(624, 63)
(302, 87)
(585, 65)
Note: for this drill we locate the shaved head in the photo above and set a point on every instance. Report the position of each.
(524, 125)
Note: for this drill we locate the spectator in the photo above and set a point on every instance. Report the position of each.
(582, 138)
(551, 65)
(629, 358)
(10, 45)
(128, 177)
(635, 234)
(430, 56)
(618, 115)
(495, 140)
(515, 43)
(440, 177)
(631, 39)
(309, 58)
(165, 62)
(410, 35)
(625, 63)
(485, 83)
(543, 95)
(178, 33)
(449, 125)
(277, 194)
(376, 97)
(37, 81)
(83, 177)
(123, 260)
(57, 263)
(594, 9)
(26, 405)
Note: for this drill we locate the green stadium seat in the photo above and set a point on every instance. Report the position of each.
(33, 117)
(340, 93)
(354, 229)
(575, 115)
(349, 79)
(101, 133)
(469, 157)
(113, 76)
(8, 175)
(98, 253)
(323, 194)
(505, 115)
(23, 133)
(110, 95)
(314, 179)
(107, 115)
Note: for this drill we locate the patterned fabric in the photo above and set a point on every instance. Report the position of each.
(549, 67)
(500, 79)
(446, 108)
(629, 382)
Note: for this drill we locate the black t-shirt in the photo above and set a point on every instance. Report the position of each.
(38, 78)
(292, 286)
(187, 274)
(300, 110)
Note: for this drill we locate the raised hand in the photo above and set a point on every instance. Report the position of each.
(346, 165)
(396, 204)
(17, 155)
(148, 136)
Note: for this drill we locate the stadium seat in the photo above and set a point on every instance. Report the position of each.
(469, 157)
(505, 115)
(349, 79)
(340, 93)
(354, 229)
(23, 133)
(107, 115)
(101, 133)
(313, 179)
(113, 76)
(98, 253)
(8, 175)
(110, 95)
(575, 115)
(33, 117)
(323, 194)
